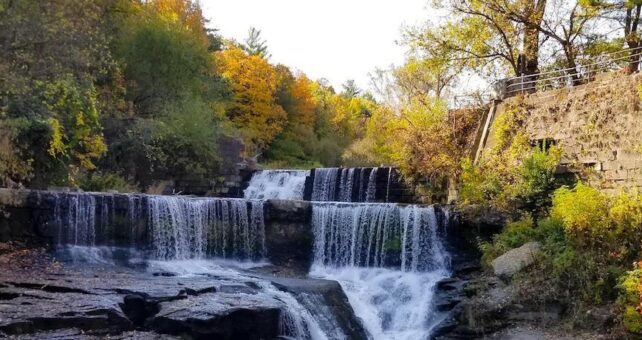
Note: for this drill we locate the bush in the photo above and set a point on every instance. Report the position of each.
(611, 225)
(98, 181)
(631, 299)
(520, 178)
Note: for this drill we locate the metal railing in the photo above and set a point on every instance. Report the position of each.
(469, 100)
(568, 77)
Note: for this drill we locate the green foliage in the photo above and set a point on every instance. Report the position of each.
(630, 299)
(97, 181)
(164, 61)
(587, 244)
(603, 223)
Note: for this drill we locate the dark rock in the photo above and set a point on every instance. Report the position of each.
(547, 312)
(164, 274)
(138, 308)
(288, 234)
(327, 302)
(219, 317)
(598, 318)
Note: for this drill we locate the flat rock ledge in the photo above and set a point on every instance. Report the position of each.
(127, 304)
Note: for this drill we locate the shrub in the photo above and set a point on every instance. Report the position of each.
(631, 299)
(584, 211)
(98, 181)
(611, 225)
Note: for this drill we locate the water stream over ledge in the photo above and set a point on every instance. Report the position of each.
(386, 257)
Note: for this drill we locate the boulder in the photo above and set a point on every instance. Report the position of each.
(515, 260)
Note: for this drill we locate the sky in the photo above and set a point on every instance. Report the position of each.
(333, 39)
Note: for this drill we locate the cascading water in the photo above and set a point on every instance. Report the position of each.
(344, 185)
(178, 227)
(187, 228)
(280, 184)
(387, 258)
(371, 191)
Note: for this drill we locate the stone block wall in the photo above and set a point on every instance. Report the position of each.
(598, 125)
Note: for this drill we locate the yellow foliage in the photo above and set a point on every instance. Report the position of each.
(254, 83)
(304, 101)
(185, 12)
(56, 145)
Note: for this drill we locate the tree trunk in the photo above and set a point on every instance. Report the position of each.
(632, 38)
(534, 11)
(571, 64)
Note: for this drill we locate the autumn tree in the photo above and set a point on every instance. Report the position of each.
(254, 110)
(175, 94)
(54, 61)
(626, 14)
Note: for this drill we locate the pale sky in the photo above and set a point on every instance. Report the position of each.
(333, 39)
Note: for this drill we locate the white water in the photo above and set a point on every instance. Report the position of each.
(179, 227)
(371, 190)
(190, 228)
(392, 304)
(344, 185)
(279, 184)
(388, 260)
(296, 321)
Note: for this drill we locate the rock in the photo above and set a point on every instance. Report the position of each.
(515, 260)
(288, 235)
(547, 312)
(327, 302)
(598, 318)
(138, 308)
(219, 316)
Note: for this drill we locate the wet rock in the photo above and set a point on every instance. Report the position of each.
(288, 234)
(515, 260)
(327, 302)
(238, 289)
(49, 311)
(138, 308)
(219, 316)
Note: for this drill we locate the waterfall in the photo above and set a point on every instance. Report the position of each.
(377, 235)
(388, 259)
(178, 227)
(77, 211)
(185, 228)
(349, 185)
(324, 185)
(371, 191)
(280, 184)
(388, 185)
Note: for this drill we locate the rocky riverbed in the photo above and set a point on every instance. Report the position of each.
(43, 298)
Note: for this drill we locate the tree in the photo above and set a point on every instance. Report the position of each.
(350, 88)
(55, 61)
(254, 110)
(166, 56)
(625, 13)
(255, 45)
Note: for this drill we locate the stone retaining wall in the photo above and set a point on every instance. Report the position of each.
(598, 125)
